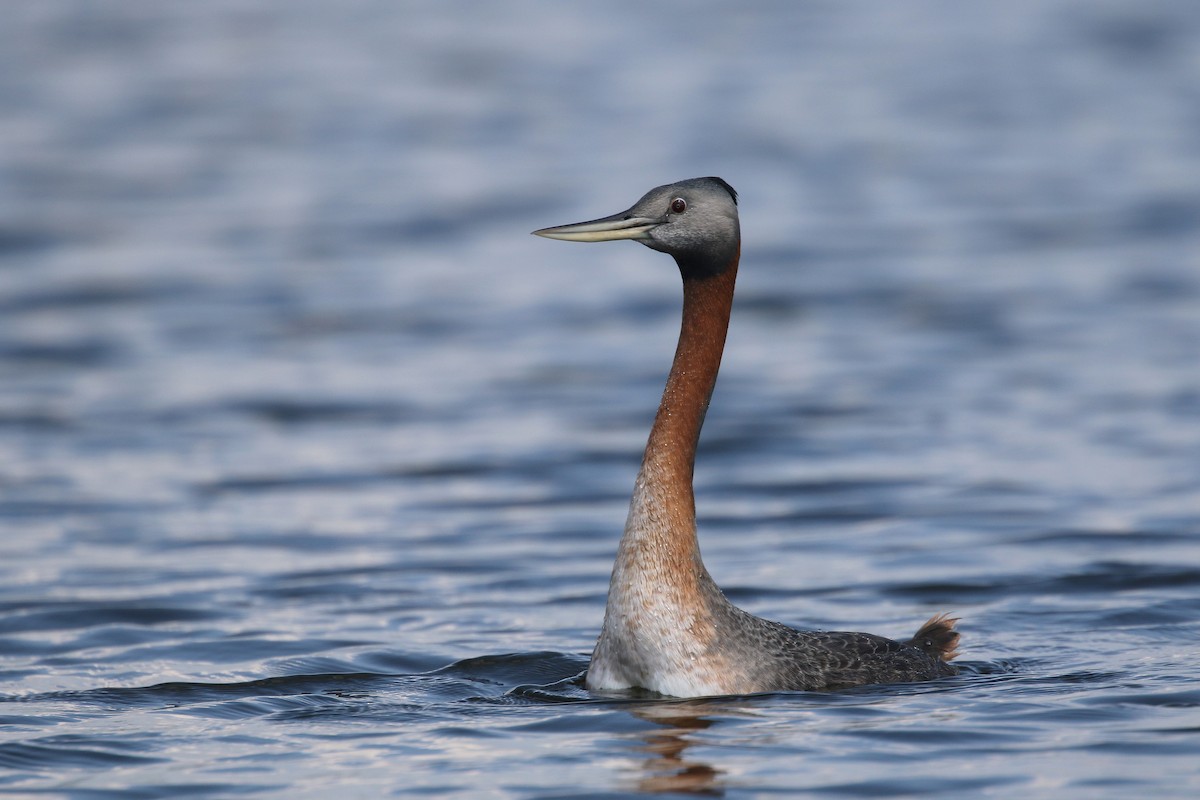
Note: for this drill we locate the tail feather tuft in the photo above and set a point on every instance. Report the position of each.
(937, 637)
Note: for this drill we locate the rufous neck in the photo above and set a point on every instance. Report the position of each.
(664, 485)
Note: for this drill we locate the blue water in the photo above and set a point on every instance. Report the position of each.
(313, 462)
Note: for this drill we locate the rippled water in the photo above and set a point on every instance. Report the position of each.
(313, 461)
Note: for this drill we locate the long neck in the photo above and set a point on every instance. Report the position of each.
(662, 517)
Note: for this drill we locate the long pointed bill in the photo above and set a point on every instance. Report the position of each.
(606, 229)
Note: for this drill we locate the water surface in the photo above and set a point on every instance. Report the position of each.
(313, 462)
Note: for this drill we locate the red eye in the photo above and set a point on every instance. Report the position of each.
(679, 205)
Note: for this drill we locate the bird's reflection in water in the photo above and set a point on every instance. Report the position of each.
(666, 768)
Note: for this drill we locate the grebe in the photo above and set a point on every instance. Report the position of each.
(667, 626)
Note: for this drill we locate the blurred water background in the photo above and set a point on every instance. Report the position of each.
(313, 462)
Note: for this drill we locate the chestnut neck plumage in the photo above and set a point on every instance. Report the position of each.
(664, 485)
(664, 610)
(659, 546)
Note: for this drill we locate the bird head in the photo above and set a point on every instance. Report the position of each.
(696, 221)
